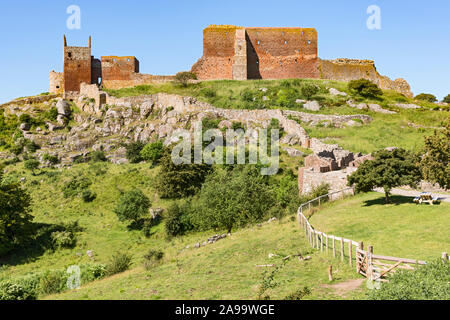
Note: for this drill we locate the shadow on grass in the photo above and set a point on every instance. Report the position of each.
(39, 243)
(393, 200)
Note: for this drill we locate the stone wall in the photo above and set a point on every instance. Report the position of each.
(348, 69)
(119, 68)
(308, 179)
(56, 82)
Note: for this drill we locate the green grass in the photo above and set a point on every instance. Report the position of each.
(402, 229)
(227, 270)
(385, 130)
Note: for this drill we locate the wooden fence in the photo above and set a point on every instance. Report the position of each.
(368, 264)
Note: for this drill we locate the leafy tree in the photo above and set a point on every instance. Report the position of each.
(180, 180)
(446, 99)
(15, 220)
(31, 165)
(228, 199)
(364, 88)
(132, 205)
(177, 221)
(309, 90)
(133, 152)
(388, 169)
(98, 156)
(153, 152)
(183, 78)
(426, 97)
(435, 163)
(428, 282)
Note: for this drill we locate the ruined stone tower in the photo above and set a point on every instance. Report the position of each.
(77, 67)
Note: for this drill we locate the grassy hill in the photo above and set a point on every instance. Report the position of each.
(402, 229)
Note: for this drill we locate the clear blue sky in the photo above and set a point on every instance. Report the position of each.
(166, 35)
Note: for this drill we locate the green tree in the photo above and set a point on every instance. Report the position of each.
(388, 169)
(153, 152)
(132, 205)
(183, 78)
(180, 180)
(32, 165)
(446, 99)
(232, 198)
(133, 152)
(435, 163)
(364, 88)
(177, 220)
(426, 97)
(15, 220)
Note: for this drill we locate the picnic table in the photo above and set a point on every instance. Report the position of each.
(426, 197)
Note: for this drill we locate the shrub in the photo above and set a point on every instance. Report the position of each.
(132, 205)
(50, 158)
(426, 97)
(26, 118)
(93, 272)
(32, 165)
(247, 95)
(75, 186)
(16, 291)
(237, 125)
(446, 99)
(364, 88)
(309, 90)
(63, 239)
(183, 78)
(16, 149)
(208, 93)
(299, 294)
(52, 114)
(320, 190)
(119, 262)
(428, 282)
(133, 152)
(88, 196)
(153, 152)
(209, 123)
(52, 282)
(98, 156)
(153, 258)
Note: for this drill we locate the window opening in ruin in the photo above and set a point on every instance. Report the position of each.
(259, 42)
(70, 54)
(57, 87)
(285, 42)
(309, 41)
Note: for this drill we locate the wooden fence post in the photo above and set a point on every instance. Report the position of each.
(342, 249)
(334, 247)
(350, 254)
(317, 240)
(358, 257)
(369, 263)
(321, 242)
(326, 242)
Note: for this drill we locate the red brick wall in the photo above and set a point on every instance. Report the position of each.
(272, 53)
(281, 53)
(77, 67)
(119, 68)
(218, 53)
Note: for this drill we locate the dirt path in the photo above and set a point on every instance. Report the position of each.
(344, 287)
(414, 193)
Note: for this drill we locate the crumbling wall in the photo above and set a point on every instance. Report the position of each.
(136, 80)
(56, 82)
(308, 179)
(349, 69)
(218, 53)
(119, 68)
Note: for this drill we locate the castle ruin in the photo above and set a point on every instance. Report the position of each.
(229, 52)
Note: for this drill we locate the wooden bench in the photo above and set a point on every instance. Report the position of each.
(426, 198)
